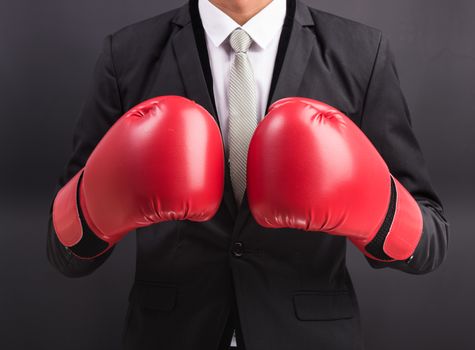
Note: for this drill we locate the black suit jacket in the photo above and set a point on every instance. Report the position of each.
(283, 288)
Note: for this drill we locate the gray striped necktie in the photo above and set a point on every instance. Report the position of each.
(242, 110)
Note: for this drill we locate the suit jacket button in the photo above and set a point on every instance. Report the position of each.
(237, 249)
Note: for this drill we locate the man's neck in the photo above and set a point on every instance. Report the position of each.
(240, 11)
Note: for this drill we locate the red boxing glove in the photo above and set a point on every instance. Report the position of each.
(163, 160)
(310, 167)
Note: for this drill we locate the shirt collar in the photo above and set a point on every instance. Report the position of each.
(262, 28)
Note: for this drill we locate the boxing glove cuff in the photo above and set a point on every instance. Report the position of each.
(66, 220)
(401, 230)
(69, 223)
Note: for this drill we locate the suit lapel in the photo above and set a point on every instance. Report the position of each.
(301, 44)
(191, 72)
(188, 60)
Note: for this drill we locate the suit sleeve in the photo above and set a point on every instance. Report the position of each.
(387, 123)
(100, 110)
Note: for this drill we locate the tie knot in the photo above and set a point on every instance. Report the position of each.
(240, 40)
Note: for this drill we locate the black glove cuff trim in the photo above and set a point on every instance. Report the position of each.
(375, 247)
(90, 245)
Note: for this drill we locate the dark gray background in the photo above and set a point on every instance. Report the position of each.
(47, 52)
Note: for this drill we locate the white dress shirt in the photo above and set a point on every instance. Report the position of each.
(264, 29)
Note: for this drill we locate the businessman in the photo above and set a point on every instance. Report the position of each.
(244, 258)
